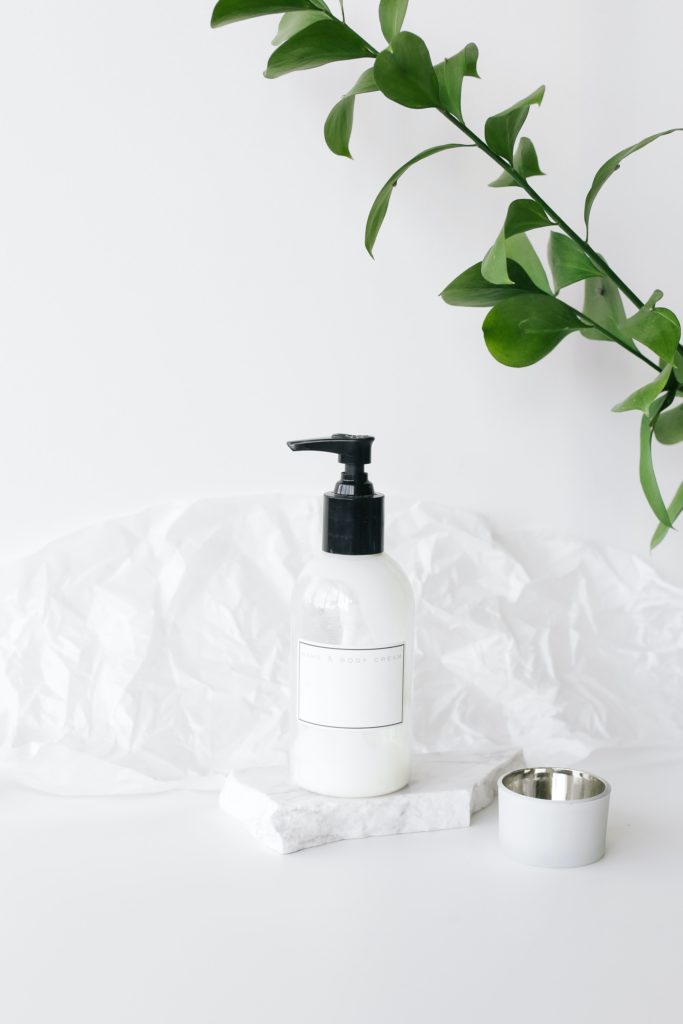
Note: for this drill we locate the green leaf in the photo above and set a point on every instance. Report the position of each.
(391, 17)
(612, 165)
(520, 249)
(568, 262)
(603, 304)
(320, 43)
(678, 367)
(524, 161)
(380, 206)
(294, 22)
(338, 126)
(339, 123)
(658, 328)
(525, 215)
(366, 83)
(504, 180)
(669, 425)
(494, 266)
(512, 243)
(648, 480)
(643, 398)
(523, 329)
(227, 11)
(404, 72)
(674, 510)
(501, 130)
(472, 289)
(450, 74)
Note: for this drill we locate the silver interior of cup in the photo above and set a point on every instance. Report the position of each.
(554, 783)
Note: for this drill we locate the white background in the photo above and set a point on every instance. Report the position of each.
(185, 285)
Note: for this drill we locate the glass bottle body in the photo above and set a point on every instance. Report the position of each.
(352, 662)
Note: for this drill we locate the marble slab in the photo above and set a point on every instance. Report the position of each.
(445, 790)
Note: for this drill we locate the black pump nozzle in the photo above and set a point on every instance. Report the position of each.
(353, 521)
(354, 450)
(349, 447)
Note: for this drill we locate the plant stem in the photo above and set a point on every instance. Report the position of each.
(583, 243)
(613, 337)
(554, 216)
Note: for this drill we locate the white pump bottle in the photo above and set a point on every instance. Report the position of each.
(352, 643)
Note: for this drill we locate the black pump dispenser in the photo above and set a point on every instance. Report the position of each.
(353, 515)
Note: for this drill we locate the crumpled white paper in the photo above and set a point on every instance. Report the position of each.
(150, 652)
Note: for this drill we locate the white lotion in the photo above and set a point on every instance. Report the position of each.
(352, 644)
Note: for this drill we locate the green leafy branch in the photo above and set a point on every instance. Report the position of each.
(527, 319)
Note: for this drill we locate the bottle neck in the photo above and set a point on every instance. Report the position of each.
(354, 481)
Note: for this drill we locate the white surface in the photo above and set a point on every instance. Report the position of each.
(444, 791)
(152, 652)
(181, 258)
(159, 910)
(553, 833)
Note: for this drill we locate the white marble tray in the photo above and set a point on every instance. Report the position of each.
(446, 789)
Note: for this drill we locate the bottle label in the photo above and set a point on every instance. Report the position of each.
(350, 687)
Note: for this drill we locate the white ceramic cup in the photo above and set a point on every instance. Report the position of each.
(553, 817)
